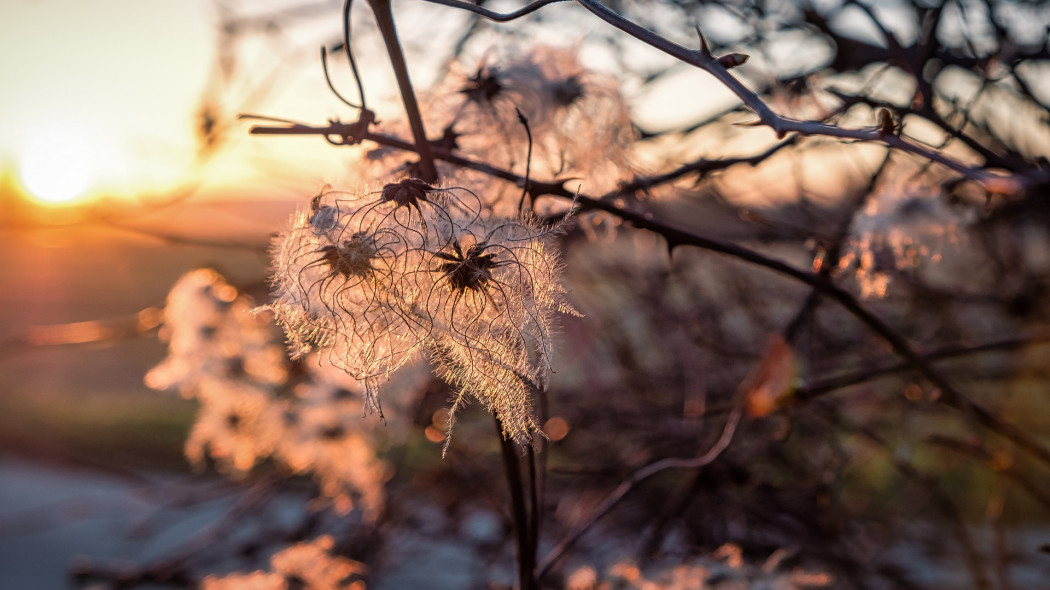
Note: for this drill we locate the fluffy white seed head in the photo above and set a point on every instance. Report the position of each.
(371, 280)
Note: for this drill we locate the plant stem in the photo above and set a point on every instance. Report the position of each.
(385, 19)
(534, 501)
(525, 541)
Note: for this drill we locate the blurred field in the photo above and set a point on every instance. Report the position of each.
(88, 400)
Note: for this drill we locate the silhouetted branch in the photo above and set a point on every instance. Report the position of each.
(385, 20)
(702, 167)
(827, 385)
(636, 478)
(823, 284)
(525, 541)
(499, 17)
(1008, 184)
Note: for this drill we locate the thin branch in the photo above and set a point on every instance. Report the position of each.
(385, 19)
(1005, 184)
(536, 512)
(331, 86)
(929, 113)
(997, 183)
(500, 17)
(636, 478)
(952, 395)
(350, 58)
(524, 541)
(830, 384)
(703, 166)
(528, 161)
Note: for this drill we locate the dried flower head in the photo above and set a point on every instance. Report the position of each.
(579, 122)
(342, 287)
(416, 269)
(407, 192)
(305, 565)
(725, 569)
(251, 409)
(211, 337)
(470, 270)
(231, 362)
(900, 229)
(237, 426)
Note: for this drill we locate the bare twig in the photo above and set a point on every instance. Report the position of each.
(703, 166)
(636, 478)
(385, 19)
(823, 386)
(1008, 184)
(348, 49)
(500, 17)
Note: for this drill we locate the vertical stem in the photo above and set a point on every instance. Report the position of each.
(541, 446)
(534, 501)
(523, 540)
(385, 19)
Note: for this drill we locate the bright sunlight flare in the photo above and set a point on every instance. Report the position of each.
(57, 167)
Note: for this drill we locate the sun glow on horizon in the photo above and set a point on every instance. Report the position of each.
(57, 168)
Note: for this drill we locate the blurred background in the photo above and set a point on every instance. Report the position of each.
(124, 166)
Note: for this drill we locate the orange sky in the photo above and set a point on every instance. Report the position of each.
(112, 82)
(100, 100)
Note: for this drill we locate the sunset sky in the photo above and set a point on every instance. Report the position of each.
(99, 96)
(101, 101)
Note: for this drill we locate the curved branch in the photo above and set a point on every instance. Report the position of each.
(492, 15)
(1004, 184)
(952, 396)
(634, 479)
(350, 56)
(996, 183)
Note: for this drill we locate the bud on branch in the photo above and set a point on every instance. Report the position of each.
(732, 60)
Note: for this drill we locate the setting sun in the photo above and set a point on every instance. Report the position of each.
(57, 167)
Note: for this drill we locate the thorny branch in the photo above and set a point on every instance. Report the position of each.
(1008, 184)
(493, 15)
(951, 395)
